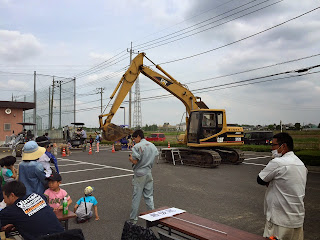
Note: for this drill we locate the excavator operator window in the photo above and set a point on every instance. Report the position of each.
(208, 124)
(212, 123)
(220, 120)
(193, 127)
(209, 120)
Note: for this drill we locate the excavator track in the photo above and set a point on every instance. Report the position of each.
(231, 156)
(194, 157)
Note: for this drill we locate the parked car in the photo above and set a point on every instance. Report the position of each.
(258, 137)
(156, 137)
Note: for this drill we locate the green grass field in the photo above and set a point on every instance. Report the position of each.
(306, 145)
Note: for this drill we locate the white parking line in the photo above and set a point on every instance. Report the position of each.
(84, 170)
(96, 179)
(257, 164)
(101, 165)
(256, 158)
(71, 164)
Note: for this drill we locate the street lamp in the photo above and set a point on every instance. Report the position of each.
(124, 115)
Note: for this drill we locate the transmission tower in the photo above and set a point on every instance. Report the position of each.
(137, 117)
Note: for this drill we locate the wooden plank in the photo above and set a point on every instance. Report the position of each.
(202, 228)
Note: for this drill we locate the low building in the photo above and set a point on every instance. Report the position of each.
(11, 113)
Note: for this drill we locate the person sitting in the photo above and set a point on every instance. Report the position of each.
(55, 194)
(8, 172)
(29, 214)
(31, 172)
(83, 207)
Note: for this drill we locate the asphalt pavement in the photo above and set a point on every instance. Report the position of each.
(227, 194)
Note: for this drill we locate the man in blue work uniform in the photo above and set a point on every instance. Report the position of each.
(142, 159)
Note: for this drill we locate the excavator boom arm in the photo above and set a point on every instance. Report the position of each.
(125, 85)
(126, 82)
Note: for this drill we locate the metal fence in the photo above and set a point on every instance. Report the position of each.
(55, 102)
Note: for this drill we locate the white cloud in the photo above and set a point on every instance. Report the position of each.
(5, 2)
(100, 57)
(15, 46)
(14, 84)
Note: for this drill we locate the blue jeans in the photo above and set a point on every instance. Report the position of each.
(141, 185)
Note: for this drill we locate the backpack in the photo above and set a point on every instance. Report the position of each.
(84, 210)
(135, 232)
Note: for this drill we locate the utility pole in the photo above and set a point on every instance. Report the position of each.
(130, 92)
(52, 103)
(49, 107)
(100, 90)
(60, 104)
(24, 112)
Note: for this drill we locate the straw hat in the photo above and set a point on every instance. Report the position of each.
(31, 151)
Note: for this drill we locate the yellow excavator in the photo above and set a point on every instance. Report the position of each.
(207, 136)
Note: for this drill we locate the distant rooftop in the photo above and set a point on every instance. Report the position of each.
(21, 105)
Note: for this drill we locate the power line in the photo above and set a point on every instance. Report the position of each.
(228, 85)
(245, 71)
(210, 23)
(105, 78)
(250, 36)
(246, 80)
(169, 95)
(220, 24)
(271, 75)
(100, 65)
(138, 45)
(151, 34)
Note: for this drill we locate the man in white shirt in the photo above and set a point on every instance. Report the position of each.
(285, 177)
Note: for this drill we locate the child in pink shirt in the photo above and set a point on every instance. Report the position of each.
(54, 193)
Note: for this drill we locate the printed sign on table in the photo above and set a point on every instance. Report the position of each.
(169, 212)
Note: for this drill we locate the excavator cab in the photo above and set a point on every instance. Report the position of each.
(203, 124)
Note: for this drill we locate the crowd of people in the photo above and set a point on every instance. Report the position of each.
(31, 194)
(35, 188)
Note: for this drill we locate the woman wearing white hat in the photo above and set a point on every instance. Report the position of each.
(31, 172)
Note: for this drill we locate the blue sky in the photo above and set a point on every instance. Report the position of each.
(65, 38)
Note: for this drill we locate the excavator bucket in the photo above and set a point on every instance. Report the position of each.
(113, 132)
